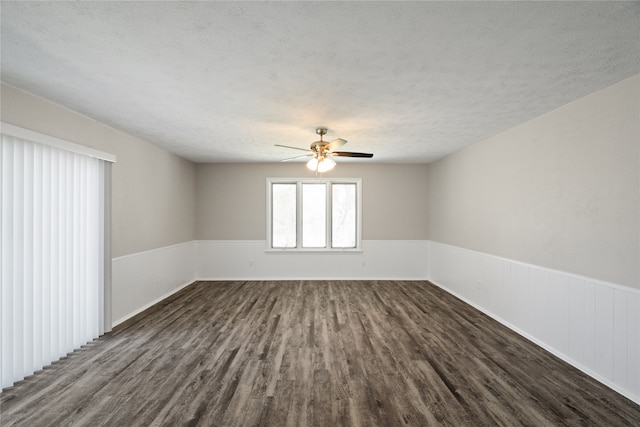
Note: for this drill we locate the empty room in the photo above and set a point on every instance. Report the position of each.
(320, 213)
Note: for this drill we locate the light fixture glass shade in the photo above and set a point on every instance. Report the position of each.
(326, 164)
(312, 164)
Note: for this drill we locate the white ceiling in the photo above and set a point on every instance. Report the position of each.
(225, 81)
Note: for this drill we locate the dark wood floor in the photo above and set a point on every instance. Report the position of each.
(332, 353)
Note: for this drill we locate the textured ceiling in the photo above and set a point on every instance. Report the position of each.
(225, 81)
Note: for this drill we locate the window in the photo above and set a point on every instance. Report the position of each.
(314, 214)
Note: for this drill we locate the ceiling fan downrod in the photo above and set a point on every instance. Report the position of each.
(321, 132)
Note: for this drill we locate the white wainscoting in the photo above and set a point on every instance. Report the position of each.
(249, 260)
(142, 279)
(591, 324)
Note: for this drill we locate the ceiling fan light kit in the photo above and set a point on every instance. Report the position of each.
(324, 164)
(321, 153)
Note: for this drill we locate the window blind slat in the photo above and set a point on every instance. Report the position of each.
(8, 231)
(55, 262)
(47, 269)
(18, 264)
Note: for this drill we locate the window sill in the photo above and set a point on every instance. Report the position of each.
(311, 250)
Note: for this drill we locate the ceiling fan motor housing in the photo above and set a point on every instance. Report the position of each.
(318, 145)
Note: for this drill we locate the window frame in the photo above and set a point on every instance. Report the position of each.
(329, 212)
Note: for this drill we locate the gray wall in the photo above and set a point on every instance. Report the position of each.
(153, 191)
(231, 199)
(560, 191)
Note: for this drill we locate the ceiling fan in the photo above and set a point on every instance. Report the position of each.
(321, 153)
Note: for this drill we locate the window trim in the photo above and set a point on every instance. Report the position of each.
(299, 182)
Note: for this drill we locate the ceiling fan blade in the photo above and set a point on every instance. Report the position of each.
(339, 142)
(297, 157)
(288, 146)
(351, 154)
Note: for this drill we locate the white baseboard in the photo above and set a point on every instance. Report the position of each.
(593, 325)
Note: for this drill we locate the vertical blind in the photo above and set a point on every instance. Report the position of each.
(53, 207)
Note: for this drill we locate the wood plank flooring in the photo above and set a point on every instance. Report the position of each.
(312, 353)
